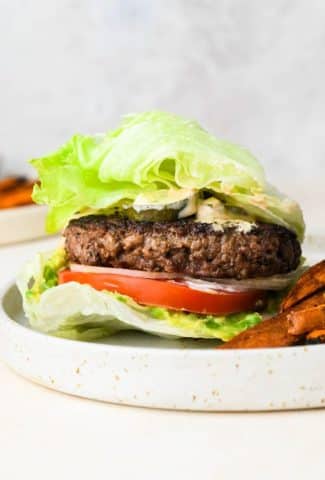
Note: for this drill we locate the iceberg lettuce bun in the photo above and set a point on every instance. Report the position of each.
(166, 229)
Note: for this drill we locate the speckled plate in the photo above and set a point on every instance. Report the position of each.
(143, 370)
(19, 224)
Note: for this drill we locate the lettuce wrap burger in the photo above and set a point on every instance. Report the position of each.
(166, 229)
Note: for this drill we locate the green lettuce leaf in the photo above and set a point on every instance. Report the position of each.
(149, 152)
(80, 312)
(42, 273)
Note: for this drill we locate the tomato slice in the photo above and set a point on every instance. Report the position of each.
(163, 293)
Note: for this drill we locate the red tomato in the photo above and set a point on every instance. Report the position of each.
(162, 293)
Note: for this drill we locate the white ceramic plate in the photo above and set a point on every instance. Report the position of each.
(143, 370)
(22, 223)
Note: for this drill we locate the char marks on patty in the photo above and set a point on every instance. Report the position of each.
(185, 247)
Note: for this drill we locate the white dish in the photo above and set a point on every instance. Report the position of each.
(143, 370)
(22, 223)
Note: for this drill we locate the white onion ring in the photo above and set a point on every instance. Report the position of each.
(275, 282)
(75, 267)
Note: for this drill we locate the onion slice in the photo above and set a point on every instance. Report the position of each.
(275, 282)
(75, 267)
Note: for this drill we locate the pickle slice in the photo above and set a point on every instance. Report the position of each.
(150, 215)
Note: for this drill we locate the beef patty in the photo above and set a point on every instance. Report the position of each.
(185, 247)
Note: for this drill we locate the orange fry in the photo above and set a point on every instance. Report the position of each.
(20, 196)
(10, 183)
(316, 336)
(267, 334)
(306, 320)
(310, 282)
(273, 332)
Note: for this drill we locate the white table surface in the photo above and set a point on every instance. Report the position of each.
(46, 435)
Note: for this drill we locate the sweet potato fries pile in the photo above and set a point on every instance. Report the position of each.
(15, 192)
(301, 319)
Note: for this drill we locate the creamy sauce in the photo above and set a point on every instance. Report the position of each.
(187, 203)
(240, 226)
(190, 207)
(181, 199)
(215, 212)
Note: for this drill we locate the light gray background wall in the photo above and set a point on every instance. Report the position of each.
(252, 71)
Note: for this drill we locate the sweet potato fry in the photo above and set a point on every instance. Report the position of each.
(310, 282)
(9, 183)
(267, 334)
(315, 337)
(306, 320)
(19, 196)
(273, 332)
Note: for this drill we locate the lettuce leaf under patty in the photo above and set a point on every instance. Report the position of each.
(148, 152)
(80, 312)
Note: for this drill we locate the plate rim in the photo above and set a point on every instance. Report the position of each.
(21, 208)
(13, 324)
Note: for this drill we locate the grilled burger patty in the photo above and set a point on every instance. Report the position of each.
(185, 247)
